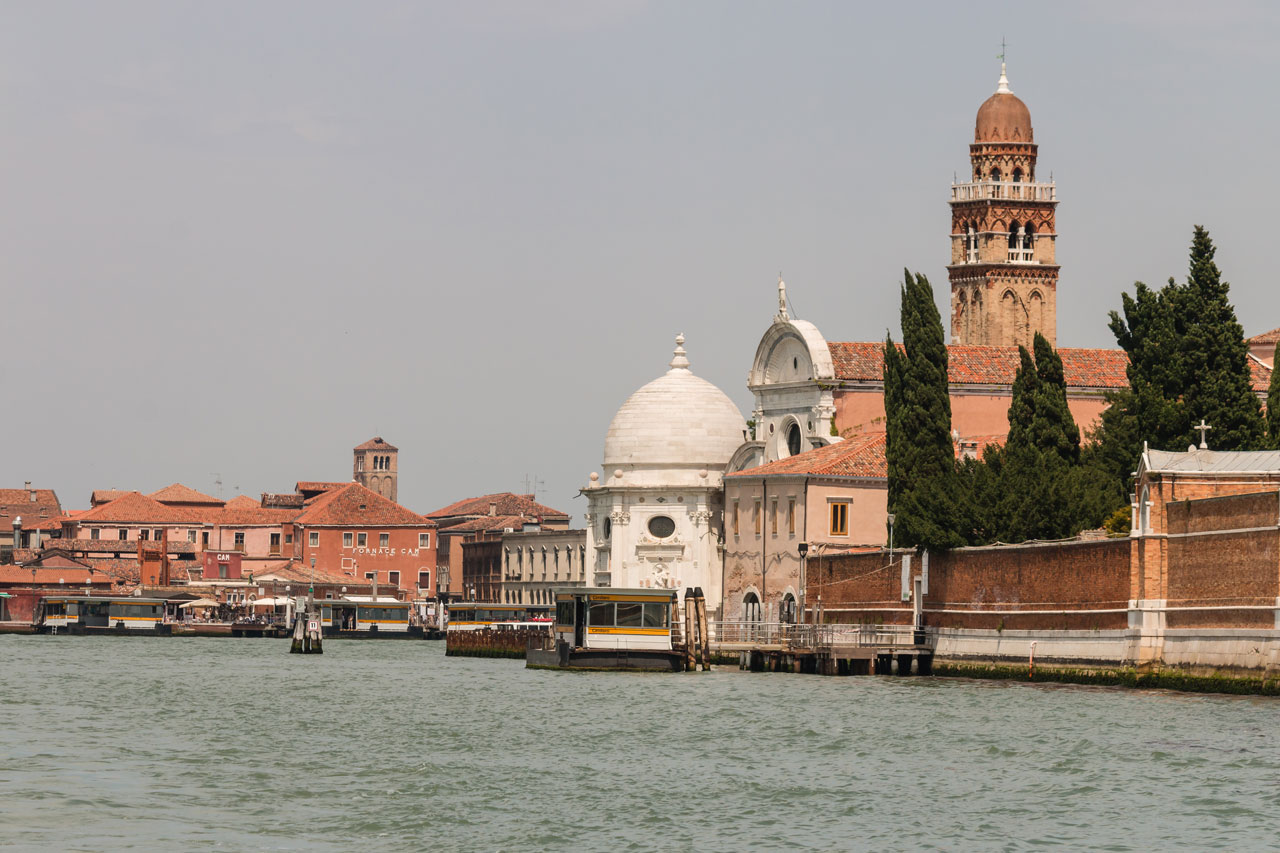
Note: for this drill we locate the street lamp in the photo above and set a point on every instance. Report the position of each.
(803, 548)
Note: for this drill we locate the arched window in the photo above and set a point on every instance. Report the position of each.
(1017, 175)
(995, 174)
(793, 440)
(787, 612)
(1015, 240)
(751, 607)
(1144, 510)
(971, 245)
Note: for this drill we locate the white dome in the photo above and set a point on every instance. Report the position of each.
(676, 421)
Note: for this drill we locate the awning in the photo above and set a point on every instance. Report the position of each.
(270, 602)
(201, 602)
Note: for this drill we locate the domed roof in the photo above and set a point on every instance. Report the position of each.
(1003, 117)
(677, 420)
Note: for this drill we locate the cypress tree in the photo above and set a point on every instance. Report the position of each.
(1215, 360)
(1035, 486)
(923, 481)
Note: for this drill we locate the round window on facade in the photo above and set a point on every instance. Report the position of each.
(661, 526)
(608, 527)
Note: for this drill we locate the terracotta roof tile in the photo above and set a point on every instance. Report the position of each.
(180, 494)
(505, 503)
(102, 496)
(242, 502)
(15, 502)
(1270, 337)
(133, 507)
(1261, 376)
(489, 524)
(292, 571)
(1095, 369)
(1084, 369)
(355, 505)
(376, 443)
(861, 456)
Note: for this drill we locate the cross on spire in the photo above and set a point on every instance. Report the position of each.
(1002, 48)
(1203, 427)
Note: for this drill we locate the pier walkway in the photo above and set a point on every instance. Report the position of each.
(826, 649)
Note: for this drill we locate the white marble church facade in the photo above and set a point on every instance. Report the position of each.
(655, 518)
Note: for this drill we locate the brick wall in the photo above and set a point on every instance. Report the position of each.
(1060, 577)
(1210, 566)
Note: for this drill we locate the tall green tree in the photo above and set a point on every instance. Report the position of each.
(923, 481)
(1215, 360)
(1188, 360)
(1036, 487)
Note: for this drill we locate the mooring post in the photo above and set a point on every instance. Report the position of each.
(704, 647)
(690, 631)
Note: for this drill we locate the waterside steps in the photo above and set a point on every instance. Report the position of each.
(827, 649)
(307, 633)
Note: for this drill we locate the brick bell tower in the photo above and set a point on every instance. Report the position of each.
(1004, 279)
(376, 467)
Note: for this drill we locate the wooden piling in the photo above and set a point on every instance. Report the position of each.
(690, 631)
(704, 640)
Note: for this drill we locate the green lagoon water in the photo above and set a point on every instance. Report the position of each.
(171, 744)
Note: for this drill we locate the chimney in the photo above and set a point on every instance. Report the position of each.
(31, 491)
(374, 592)
(493, 508)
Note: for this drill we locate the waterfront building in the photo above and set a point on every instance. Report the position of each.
(480, 518)
(656, 516)
(376, 540)
(536, 563)
(785, 515)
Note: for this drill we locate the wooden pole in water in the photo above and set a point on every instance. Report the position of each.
(690, 631)
(704, 646)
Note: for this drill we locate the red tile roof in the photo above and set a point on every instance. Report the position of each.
(292, 571)
(15, 502)
(1096, 369)
(316, 486)
(102, 496)
(242, 502)
(355, 505)
(134, 508)
(505, 503)
(376, 443)
(180, 494)
(489, 524)
(1270, 337)
(860, 456)
(1084, 369)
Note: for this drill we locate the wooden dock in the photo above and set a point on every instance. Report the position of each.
(827, 649)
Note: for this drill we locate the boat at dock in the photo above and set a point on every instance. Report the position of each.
(610, 628)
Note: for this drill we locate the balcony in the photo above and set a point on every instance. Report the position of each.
(1004, 190)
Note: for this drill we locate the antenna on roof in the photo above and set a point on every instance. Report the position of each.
(218, 482)
(533, 485)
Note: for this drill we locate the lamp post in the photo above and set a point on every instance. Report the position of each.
(892, 519)
(803, 548)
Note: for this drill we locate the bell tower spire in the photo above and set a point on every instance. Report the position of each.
(1003, 272)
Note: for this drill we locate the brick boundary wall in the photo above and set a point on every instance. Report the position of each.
(1224, 551)
(966, 584)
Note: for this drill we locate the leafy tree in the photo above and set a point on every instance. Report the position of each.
(924, 486)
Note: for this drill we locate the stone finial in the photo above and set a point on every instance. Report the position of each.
(679, 362)
(1002, 88)
(782, 298)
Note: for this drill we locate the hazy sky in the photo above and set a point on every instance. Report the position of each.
(244, 237)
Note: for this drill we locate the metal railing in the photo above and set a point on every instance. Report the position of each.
(787, 635)
(1016, 190)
